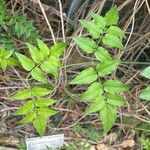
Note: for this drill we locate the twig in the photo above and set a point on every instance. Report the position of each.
(133, 22)
(62, 20)
(50, 28)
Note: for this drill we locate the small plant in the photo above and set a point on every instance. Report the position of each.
(106, 94)
(43, 61)
(145, 94)
(14, 26)
(145, 143)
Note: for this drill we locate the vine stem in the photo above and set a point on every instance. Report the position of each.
(46, 19)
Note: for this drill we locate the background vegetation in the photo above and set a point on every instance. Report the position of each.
(22, 22)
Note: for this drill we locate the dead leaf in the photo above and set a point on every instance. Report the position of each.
(127, 144)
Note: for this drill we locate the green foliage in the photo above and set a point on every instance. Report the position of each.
(145, 143)
(6, 59)
(105, 95)
(145, 94)
(43, 60)
(15, 25)
(85, 77)
(36, 108)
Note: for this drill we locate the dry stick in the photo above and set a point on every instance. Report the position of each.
(133, 22)
(50, 28)
(148, 8)
(62, 20)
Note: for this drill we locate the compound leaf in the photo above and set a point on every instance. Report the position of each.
(44, 102)
(115, 86)
(40, 124)
(46, 112)
(87, 76)
(92, 28)
(116, 31)
(43, 47)
(146, 72)
(108, 117)
(93, 91)
(57, 49)
(86, 44)
(102, 54)
(112, 41)
(54, 61)
(96, 105)
(47, 66)
(29, 118)
(36, 55)
(11, 61)
(115, 100)
(7, 53)
(37, 74)
(22, 94)
(25, 108)
(145, 95)
(107, 67)
(99, 21)
(112, 16)
(26, 62)
(40, 91)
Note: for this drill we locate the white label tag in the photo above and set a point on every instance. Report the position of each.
(53, 142)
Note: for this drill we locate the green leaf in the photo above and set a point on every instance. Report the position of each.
(116, 31)
(97, 105)
(116, 100)
(40, 91)
(102, 54)
(146, 72)
(4, 64)
(112, 16)
(43, 47)
(92, 28)
(108, 116)
(7, 54)
(112, 41)
(25, 108)
(99, 21)
(48, 67)
(145, 95)
(13, 62)
(93, 91)
(86, 44)
(107, 67)
(26, 62)
(46, 112)
(54, 61)
(22, 94)
(58, 49)
(115, 86)
(36, 55)
(40, 124)
(87, 76)
(44, 102)
(37, 74)
(29, 118)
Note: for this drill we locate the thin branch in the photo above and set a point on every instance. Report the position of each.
(62, 20)
(50, 28)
